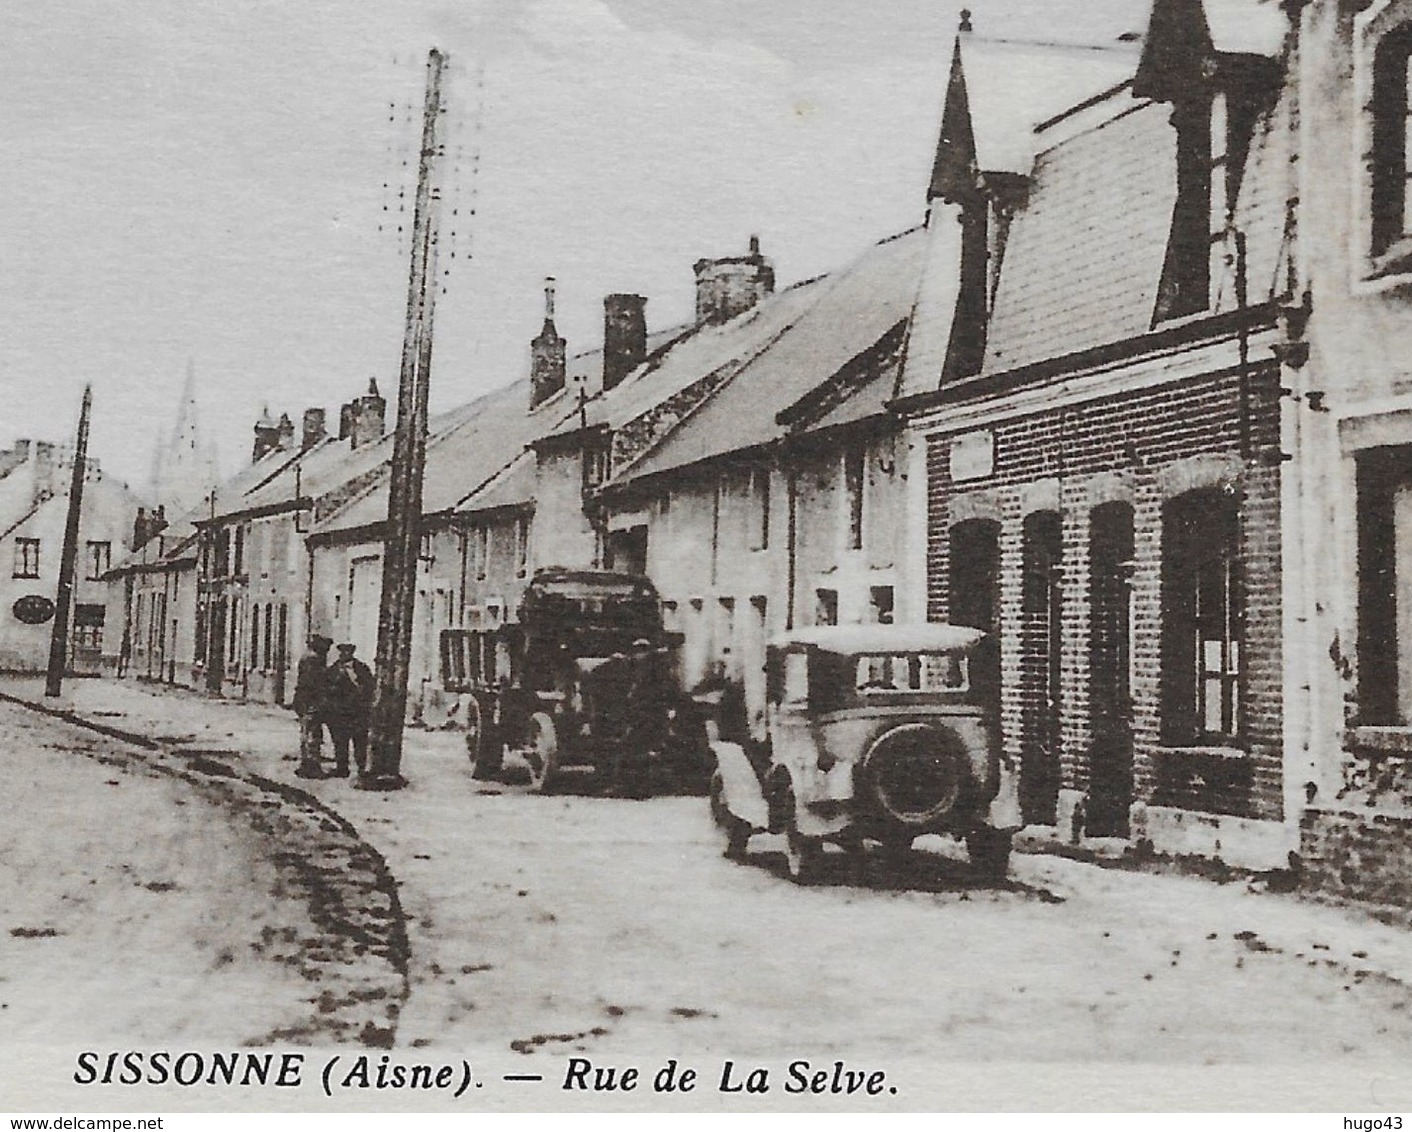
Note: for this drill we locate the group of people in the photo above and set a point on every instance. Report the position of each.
(339, 697)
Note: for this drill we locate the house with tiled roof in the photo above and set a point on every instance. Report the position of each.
(1093, 391)
(35, 479)
(253, 611)
(763, 491)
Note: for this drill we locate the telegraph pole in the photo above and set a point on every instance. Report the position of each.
(59, 639)
(404, 502)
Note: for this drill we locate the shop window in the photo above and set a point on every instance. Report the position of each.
(26, 558)
(1202, 619)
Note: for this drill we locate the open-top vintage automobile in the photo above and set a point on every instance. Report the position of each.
(584, 679)
(876, 734)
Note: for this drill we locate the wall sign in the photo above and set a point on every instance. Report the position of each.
(972, 456)
(33, 609)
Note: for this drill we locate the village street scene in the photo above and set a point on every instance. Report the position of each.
(986, 643)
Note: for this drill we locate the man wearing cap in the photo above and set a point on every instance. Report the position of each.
(310, 704)
(350, 706)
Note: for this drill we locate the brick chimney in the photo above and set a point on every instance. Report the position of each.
(266, 435)
(731, 286)
(314, 429)
(547, 366)
(624, 337)
(285, 432)
(369, 417)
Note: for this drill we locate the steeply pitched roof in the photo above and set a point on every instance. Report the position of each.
(1007, 87)
(473, 444)
(832, 322)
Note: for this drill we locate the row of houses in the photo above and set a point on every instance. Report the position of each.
(1133, 396)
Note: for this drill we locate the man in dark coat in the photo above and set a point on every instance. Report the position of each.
(350, 705)
(310, 704)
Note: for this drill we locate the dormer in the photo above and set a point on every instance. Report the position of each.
(1382, 65)
(1219, 82)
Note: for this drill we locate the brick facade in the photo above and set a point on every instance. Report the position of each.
(1051, 468)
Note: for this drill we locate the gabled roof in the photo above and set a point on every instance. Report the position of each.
(671, 365)
(828, 324)
(999, 90)
(471, 446)
(1186, 38)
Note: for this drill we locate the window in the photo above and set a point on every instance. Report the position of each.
(99, 557)
(1199, 216)
(760, 511)
(881, 599)
(26, 558)
(595, 466)
(521, 546)
(825, 607)
(1202, 619)
(853, 468)
(480, 552)
(1391, 125)
(239, 566)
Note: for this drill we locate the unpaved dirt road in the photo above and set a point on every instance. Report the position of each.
(546, 927)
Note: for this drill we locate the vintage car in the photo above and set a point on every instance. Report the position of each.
(583, 680)
(876, 734)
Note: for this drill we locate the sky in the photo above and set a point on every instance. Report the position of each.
(217, 183)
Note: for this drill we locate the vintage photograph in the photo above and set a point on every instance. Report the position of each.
(706, 555)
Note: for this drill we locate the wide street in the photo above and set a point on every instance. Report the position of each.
(543, 927)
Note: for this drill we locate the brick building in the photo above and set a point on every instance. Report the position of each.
(1092, 391)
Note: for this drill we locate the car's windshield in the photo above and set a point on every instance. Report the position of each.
(912, 672)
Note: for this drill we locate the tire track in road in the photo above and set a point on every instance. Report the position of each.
(359, 955)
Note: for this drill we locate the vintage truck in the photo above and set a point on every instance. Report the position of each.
(876, 734)
(582, 681)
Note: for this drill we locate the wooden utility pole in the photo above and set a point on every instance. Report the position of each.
(404, 502)
(68, 559)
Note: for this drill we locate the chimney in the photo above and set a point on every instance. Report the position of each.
(624, 337)
(48, 464)
(731, 286)
(369, 416)
(266, 435)
(285, 432)
(547, 367)
(346, 414)
(314, 430)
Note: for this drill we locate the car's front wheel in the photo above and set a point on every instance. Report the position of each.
(541, 751)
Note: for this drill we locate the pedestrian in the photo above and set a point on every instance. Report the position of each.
(310, 704)
(350, 706)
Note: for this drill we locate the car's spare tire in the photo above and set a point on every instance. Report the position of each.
(916, 773)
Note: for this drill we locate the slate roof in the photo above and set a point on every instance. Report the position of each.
(475, 443)
(827, 324)
(1084, 258)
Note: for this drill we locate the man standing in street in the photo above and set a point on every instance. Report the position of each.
(350, 710)
(311, 688)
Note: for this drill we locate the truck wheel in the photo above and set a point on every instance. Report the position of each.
(737, 832)
(482, 741)
(804, 856)
(989, 850)
(542, 751)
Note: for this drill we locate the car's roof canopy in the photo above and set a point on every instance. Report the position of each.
(848, 640)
